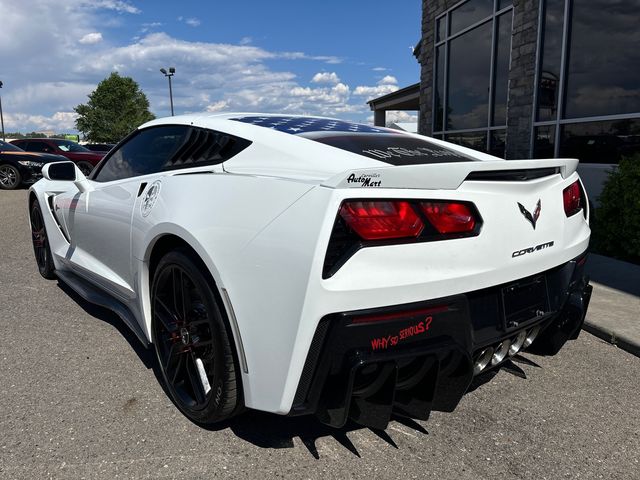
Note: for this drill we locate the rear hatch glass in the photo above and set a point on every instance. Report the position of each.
(383, 144)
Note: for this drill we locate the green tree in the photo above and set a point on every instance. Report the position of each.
(616, 222)
(115, 108)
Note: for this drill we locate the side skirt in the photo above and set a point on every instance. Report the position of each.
(98, 297)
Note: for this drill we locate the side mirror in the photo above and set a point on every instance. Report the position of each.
(66, 172)
(60, 171)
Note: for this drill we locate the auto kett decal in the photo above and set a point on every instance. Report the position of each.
(365, 179)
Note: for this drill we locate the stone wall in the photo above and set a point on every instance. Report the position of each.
(522, 78)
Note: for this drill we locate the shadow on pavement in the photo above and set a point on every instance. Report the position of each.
(147, 356)
(266, 430)
(614, 273)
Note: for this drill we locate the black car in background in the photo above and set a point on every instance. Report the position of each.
(18, 167)
(99, 147)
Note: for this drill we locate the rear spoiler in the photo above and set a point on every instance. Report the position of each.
(449, 176)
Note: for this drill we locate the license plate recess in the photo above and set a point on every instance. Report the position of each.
(524, 300)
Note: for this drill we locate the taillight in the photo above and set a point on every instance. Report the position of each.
(382, 220)
(367, 223)
(572, 197)
(449, 217)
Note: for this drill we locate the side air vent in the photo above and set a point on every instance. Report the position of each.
(205, 147)
(522, 175)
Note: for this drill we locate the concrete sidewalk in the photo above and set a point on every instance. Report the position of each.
(614, 312)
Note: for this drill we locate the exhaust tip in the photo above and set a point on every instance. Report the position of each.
(531, 336)
(517, 343)
(483, 360)
(501, 352)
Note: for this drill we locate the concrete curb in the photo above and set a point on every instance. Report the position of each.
(611, 337)
(613, 312)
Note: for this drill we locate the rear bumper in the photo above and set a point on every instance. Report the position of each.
(414, 358)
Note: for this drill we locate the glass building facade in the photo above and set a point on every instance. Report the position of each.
(472, 50)
(588, 80)
(533, 78)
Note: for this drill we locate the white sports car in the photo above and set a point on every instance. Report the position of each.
(303, 265)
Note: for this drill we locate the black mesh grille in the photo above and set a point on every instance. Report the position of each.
(310, 363)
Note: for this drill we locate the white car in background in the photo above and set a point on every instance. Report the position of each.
(303, 265)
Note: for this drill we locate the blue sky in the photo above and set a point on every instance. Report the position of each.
(324, 58)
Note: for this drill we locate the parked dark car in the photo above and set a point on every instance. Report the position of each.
(84, 158)
(99, 147)
(18, 167)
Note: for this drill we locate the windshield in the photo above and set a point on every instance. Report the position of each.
(7, 147)
(69, 146)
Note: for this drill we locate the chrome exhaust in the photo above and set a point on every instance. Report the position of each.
(483, 360)
(531, 336)
(517, 343)
(500, 352)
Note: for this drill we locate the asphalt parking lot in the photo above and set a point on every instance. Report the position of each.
(79, 399)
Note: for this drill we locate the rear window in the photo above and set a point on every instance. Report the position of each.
(383, 144)
(392, 148)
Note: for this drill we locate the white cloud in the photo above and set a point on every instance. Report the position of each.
(91, 38)
(386, 85)
(119, 6)
(325, 77)
(150, 26)
(58, 122)
(379, 69)
(209, 76)
(388, 80)
(245, 40)
(341, 88)
(217, 106)
(374, 92)
(303, 56)
(191, 21)
(395, 116)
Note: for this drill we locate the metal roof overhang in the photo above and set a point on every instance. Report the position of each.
(407, 98)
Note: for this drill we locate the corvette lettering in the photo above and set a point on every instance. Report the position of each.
(537, 248)
(365, 179)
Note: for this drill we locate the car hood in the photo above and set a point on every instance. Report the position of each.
(34, 157)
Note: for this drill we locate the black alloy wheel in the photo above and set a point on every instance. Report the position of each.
(10, 177)
(40, 241)
(191, 341)
(85, 167)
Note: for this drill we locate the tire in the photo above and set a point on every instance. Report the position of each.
(85, 167)
(41, 249)
(10, 177)
(187, 326)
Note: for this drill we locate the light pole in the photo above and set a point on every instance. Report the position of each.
(169, 75)
(1, 117)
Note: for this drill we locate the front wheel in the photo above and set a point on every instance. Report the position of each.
(40, 241)
(191, 341)
(10, 177)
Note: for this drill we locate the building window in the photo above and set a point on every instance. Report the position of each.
(472, 57)
(588, 77)
(600, 142)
